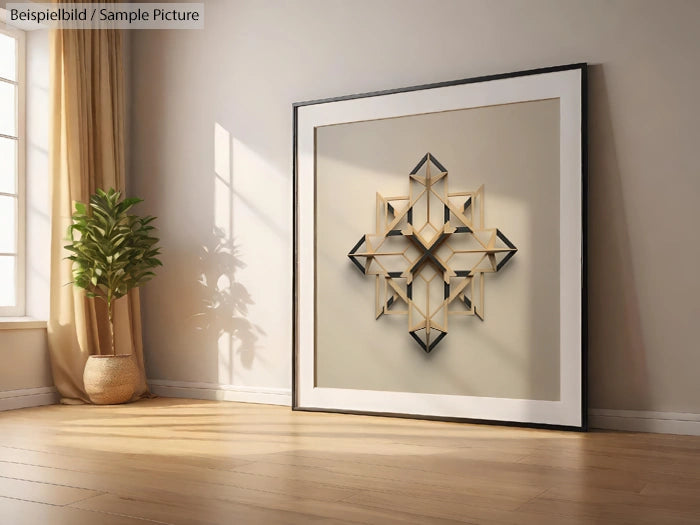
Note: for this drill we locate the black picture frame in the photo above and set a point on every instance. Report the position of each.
(581, 69)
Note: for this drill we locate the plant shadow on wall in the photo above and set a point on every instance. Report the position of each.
(225, 303)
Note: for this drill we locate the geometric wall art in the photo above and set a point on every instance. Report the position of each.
(439, 237)
(429, 253)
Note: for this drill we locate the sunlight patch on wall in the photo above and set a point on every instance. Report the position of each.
(223, 213)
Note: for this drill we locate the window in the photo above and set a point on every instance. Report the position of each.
(12, 183)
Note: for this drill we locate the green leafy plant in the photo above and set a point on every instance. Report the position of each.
(112, 251)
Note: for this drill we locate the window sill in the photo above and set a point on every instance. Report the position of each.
(20, 323)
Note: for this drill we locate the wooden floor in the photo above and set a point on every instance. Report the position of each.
(186, 462)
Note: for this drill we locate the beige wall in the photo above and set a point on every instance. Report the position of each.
(257, 57)
(26, 359)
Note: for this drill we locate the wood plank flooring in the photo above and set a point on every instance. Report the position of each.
(187, 462)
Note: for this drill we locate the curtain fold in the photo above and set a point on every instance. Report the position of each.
(87, 152)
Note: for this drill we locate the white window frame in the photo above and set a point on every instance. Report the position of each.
(18, 309)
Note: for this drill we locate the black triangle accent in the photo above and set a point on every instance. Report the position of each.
(504, 260)
(427, 348)
(437, 163)
(420, 164)
(358, 264)
(357, 246)
(510, 245)
(505, 240)
(354, 258)
(435, 343)
(468, 302)
(419, 341)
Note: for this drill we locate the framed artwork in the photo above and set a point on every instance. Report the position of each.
(439, 251)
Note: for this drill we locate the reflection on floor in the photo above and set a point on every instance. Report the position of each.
(186, 462)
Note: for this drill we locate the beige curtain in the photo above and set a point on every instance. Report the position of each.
(87, 152)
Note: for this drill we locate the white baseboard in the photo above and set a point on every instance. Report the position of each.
(645, 421)
(216, 392)
(627, 420)
(28, 397)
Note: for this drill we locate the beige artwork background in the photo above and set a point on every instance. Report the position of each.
(514, 353)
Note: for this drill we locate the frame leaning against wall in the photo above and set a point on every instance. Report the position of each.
(568, 84)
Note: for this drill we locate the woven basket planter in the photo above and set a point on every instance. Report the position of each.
(110, 379)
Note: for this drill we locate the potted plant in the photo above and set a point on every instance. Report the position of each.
(112, 252)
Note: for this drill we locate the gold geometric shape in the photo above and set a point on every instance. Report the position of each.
(430, 252)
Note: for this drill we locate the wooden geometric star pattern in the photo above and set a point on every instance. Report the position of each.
(429, 253)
